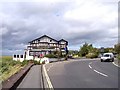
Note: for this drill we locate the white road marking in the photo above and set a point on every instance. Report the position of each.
(50, 67)
(97, 71)
(115, 64)
(100, 73)
(47, 78)
(90, 67)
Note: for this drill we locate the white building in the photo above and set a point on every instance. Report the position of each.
(41, 46)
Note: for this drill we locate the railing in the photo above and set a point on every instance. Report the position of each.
(42, 47)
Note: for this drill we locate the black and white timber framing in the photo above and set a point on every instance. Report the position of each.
(44, 45)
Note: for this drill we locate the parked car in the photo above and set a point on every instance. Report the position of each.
(107, 57)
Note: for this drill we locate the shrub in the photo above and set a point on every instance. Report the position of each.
(51, 56)
(13, 63)
(118, 57)
(5, 68)
(31, 61)
(25, 62)
(36, 62)
(91, 55)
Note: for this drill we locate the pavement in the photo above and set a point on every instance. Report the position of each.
(32, 79)
(85, 73)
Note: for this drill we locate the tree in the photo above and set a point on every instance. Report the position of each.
(84, 50)
(88, 50)
(117, 48)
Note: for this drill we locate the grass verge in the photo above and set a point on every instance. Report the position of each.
(9, 67)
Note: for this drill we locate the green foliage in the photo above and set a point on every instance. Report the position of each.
(36, 62)
(118, 57)
(84, 50)
(51, 56)
(89, 51)
(107, 50)
(117, 48)
(6, 58)
(25, 62)
(91, 55)
(73, 52)
(4, 68)
(7, 62)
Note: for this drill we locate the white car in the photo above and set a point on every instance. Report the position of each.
(107, 57)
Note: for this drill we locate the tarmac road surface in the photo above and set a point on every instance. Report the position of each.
(83, 74)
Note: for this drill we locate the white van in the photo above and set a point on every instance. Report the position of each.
(107, 57)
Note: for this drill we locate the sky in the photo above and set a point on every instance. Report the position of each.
(77, 21)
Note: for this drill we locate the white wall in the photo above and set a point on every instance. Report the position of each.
(62, 42)
(27, 56)
(18, 58)
(45, 39)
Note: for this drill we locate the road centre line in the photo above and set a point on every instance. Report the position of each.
(90, 67)
(96, 70)
(100, 73)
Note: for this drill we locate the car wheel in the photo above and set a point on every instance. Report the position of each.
(101, 60)
(112, 60)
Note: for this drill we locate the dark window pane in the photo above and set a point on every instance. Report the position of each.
(21, 56)
(14, 56)
(17, 56)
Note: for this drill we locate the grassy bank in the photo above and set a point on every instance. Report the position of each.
(8, 67)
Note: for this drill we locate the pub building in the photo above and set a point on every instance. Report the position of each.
(42, 46)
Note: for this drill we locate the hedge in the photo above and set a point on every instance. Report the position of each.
(91, 55)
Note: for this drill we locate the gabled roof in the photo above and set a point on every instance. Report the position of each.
(63, 40)
(42, 37)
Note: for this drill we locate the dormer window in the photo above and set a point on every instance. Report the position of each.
(50, 40)
(38, 40)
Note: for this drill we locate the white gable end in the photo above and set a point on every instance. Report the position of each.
(62, 42)
(46, 39)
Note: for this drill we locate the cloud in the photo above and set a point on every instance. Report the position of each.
(77, 21)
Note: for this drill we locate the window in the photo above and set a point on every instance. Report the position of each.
(17, 56)
(106, 55)
(38, 40)
(50, 40)
(21, 56)
(14, 56)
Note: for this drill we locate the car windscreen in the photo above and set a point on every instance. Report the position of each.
(106, 55)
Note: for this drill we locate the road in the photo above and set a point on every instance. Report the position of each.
(83, 74)
(32, 79)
